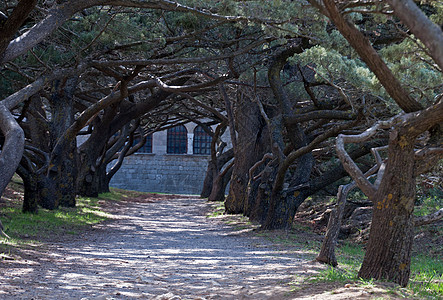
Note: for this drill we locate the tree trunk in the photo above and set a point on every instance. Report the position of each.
(64, 168)
(259, 192)
(103, 179)
(31, 194)
(252, 144)
(220, 183)
(88, 178)
(12, 148)
(327, 252)
(215, 165)
(388, 254)
(49, 196)
(284, 202)
(209, 179)
(282, 216)
(88, 187)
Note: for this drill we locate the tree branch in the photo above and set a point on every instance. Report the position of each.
(321, 114)
(13, 23)
(368, 54)
(434, 217)
(420, 25)
(349, 165)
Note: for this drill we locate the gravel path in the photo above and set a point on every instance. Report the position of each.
(161, 250)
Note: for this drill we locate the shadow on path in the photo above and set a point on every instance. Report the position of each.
(153, 249)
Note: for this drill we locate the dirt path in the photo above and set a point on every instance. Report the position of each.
(160, 250)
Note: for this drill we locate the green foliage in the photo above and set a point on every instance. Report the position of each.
(331, 65)
(429, 202)
(349, 257)
(408, 62)
(187, 22)
(8, 81)
(437, 17)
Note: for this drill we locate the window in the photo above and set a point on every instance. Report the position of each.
(202, 141)
(147, 147)
(177, 140)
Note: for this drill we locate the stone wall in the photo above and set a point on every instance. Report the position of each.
(162, 173)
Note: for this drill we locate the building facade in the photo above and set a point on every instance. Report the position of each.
(172, 161)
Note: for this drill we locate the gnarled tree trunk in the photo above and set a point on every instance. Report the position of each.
(388, 254)
(12, 148)
(252, 144)
(63, 168)
(220, 183)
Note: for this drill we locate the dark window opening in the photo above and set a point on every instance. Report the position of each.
(177, 140)
(202, 141)
(147, 147)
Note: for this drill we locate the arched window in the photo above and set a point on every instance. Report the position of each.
(147, 147)
(177, 140)
(202, 141)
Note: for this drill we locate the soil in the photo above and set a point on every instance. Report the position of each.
(166, 247)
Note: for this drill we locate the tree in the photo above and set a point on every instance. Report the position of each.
(12, 148)
(172, 49)
(389, 247)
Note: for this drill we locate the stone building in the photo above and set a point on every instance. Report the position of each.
(172, 161)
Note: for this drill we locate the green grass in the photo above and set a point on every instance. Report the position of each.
(426, 280)
(350, 255)
(427, 204)
(427, 277)
(32, 229)
(119, 194)
(218, 210)
(332, 274)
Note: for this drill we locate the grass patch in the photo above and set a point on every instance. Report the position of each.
(300, 238)
(349, 258)
(218, 210)
(332, 274)
(427, 277)
(32, 230)
(350, 255)
(116, 194)
(52, 222)
(426, 281)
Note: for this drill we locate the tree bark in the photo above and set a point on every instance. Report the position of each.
(14, 22)
(63, 168)
(283, 204)
(32, 167)
(252, 144)
(220, 183)
(388, 254)
(209, 179)
(217, 161)
(327, 252)
(12, 148)
(31, 193)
